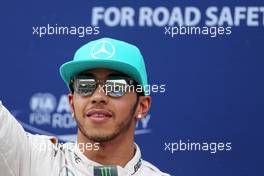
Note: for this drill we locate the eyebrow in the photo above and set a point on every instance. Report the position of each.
(86, 74)
(109, 75)
(117, 74)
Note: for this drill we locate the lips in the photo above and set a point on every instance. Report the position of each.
(99, 115)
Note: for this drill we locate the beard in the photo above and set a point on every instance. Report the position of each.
(120, 128)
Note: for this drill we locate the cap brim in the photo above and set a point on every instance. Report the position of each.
(72, 68)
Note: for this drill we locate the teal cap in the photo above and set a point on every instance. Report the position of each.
(107, 53)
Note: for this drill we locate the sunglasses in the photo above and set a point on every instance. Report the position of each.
(113, 86)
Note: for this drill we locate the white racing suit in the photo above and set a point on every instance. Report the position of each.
(23, 154)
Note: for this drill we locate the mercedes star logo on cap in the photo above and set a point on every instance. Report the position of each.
(103, 50)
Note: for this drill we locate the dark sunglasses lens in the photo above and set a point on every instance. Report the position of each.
(116, 87)
(84, 87)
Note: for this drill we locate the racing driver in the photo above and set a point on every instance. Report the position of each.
(107, 80)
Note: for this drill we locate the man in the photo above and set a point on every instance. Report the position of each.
(106, 79)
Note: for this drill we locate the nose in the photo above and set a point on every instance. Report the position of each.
(99, 97)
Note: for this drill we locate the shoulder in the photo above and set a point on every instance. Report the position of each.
(150, 169)
(51, 140)
(43, 145)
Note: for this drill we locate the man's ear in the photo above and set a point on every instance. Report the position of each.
(143, 106)
(70, 98)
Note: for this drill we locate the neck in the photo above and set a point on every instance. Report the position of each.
(118, 151)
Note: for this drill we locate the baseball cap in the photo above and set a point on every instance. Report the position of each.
(107, 53)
